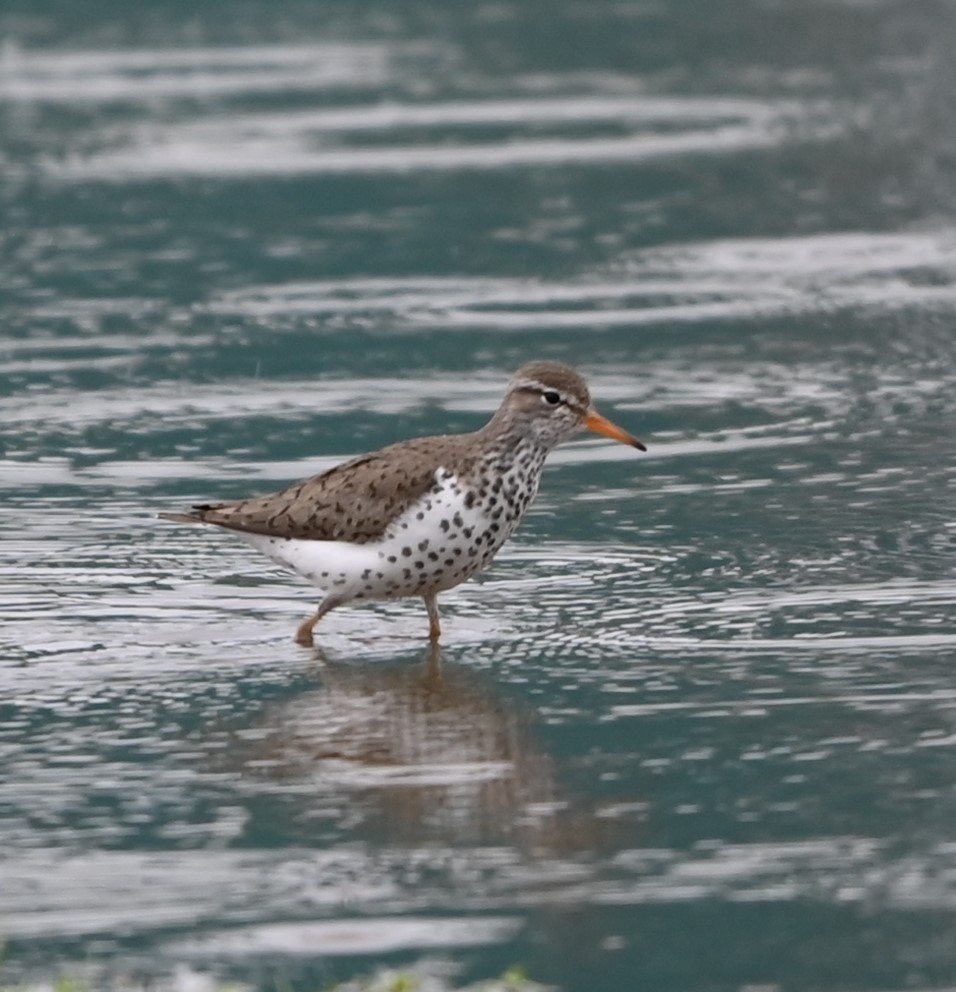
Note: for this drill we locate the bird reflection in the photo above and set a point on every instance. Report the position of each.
(416, 752)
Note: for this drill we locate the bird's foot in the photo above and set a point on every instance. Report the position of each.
(303, 635)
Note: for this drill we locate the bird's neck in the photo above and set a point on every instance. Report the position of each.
(508, 444)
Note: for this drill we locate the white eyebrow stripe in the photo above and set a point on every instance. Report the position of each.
(540, 387)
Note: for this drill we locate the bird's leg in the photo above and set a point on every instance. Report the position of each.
(303, 635)
(434, 621)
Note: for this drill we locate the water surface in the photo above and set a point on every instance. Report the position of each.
(696, 728)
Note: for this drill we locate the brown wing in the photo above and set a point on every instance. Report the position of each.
(354, 501)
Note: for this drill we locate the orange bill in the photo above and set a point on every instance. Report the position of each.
(593, 421)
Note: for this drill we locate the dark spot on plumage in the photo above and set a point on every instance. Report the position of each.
(444, 525)
(432, 556)
(423, 545)
(420, 515)
(392, 559)
(469, 499)
(449, 561)
(406, 552)
(419, 564)
(457, 521)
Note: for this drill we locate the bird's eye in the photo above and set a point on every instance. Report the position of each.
(551, 397)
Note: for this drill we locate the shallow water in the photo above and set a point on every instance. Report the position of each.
(696, 728)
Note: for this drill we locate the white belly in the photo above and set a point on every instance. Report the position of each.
(333, 566)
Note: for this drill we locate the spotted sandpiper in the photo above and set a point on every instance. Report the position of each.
(421, 516)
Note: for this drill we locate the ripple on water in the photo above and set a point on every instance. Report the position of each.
(719, 280)
(115, 893)
(146, 75)
(317, 142)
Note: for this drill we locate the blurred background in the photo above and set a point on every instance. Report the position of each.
(696, 728)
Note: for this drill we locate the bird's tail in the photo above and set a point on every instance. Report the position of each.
(182, 518)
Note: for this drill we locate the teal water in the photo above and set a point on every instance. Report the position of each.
(696, 728)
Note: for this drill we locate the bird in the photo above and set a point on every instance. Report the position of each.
(420, 516)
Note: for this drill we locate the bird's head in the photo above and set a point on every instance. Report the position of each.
(552, 402)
